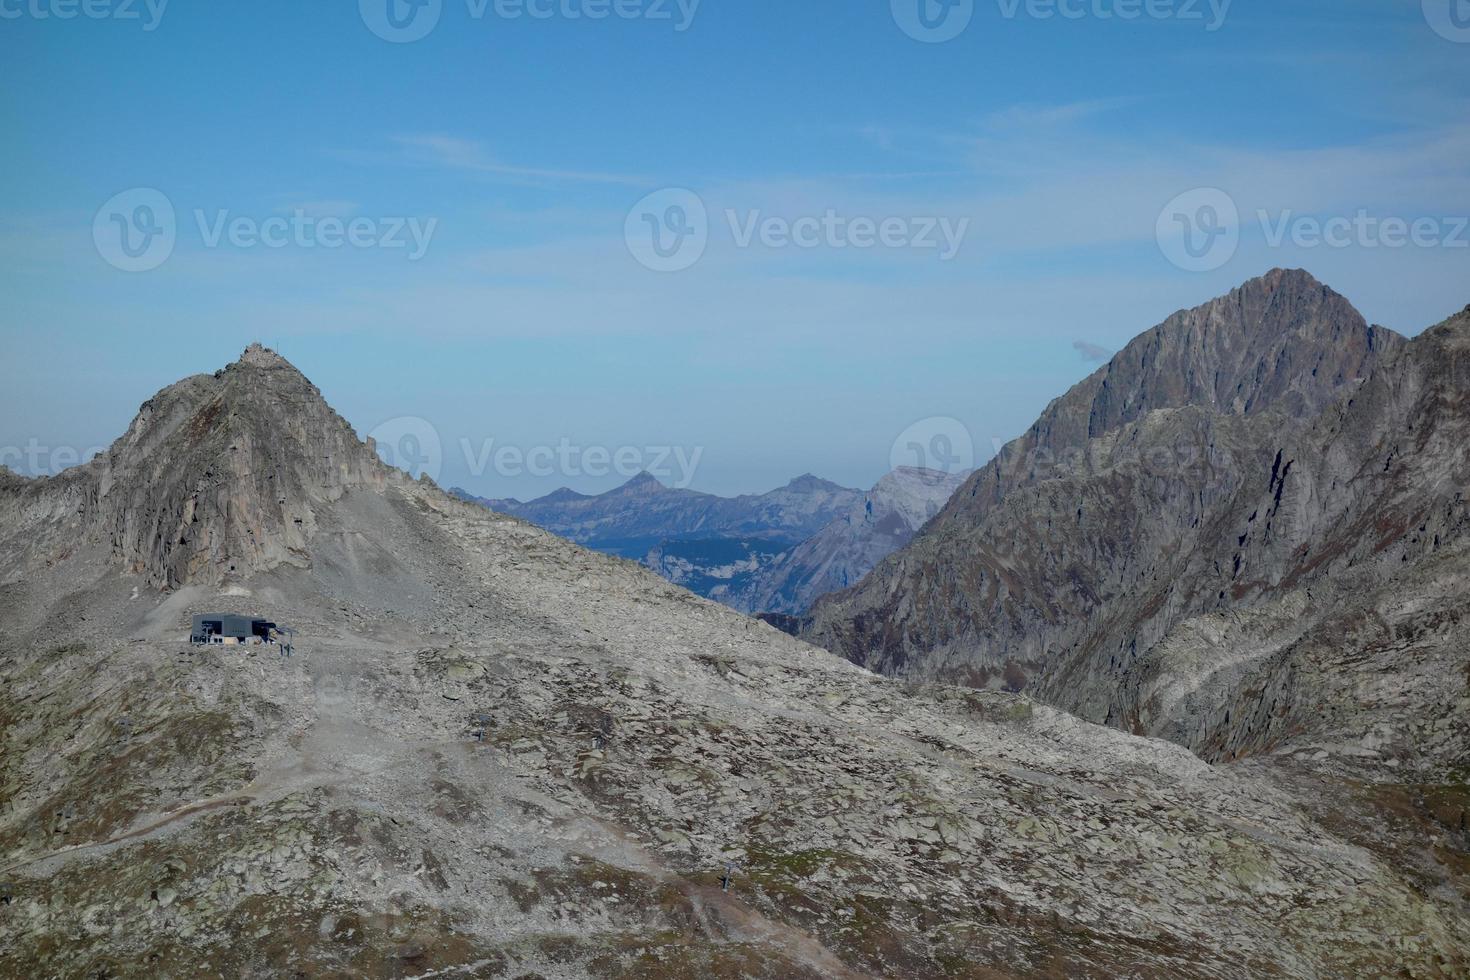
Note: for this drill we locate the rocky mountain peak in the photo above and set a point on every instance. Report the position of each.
(810, 483)
(644, 482)
(1282, 342)
(1282, 345)
(221, 475)
(258, 355)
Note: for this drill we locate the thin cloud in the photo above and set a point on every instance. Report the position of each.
(319, 209)
(1030, 116)
(471, 155)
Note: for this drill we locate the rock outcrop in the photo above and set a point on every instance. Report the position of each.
(1330, 578)
(1037, 546)
(219, 475)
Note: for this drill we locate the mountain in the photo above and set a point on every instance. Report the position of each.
(643, 514)
(773, 552)
(497, 754)
(1328, 587)
(840, 554)
(1075, 516)
(218, 476)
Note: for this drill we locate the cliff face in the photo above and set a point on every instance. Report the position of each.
(1343, 571)
(218, 476)
(1039, 543)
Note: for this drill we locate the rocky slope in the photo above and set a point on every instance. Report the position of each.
(840, 554)
(988, 594)
(496, 754)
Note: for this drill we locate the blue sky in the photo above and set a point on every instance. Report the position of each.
(520, 144)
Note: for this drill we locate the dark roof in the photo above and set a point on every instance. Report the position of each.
(229, 624)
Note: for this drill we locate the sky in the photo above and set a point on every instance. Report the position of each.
(536, 243)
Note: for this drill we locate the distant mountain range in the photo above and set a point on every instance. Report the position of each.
(643, 514)
(840, 554)
(775, 552)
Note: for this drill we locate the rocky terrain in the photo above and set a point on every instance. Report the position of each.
(497, 754)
